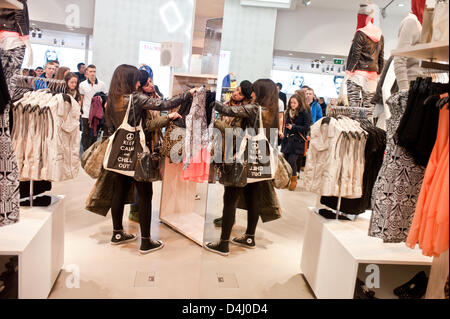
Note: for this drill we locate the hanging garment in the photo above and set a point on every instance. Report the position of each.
(398, 183)
(4, 93)
(430, 227)
(358, 97)
(417, 130)
(373, 156)
(11, 61)
(196, 161)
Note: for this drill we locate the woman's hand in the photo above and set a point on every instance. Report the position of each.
(192, 91)
(174, 116)
(281, 135)
(289, 126)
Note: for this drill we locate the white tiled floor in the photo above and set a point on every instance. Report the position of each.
(182, 268)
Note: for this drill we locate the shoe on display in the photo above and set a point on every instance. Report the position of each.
(148, 245)
(362, 292)
(413, 289)
(120, 237)
(220, 247)
(218, 222)
(246, 241)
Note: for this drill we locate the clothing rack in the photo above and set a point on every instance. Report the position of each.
(51, 85)
(355, 113)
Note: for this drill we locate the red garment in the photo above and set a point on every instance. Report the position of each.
(363, 19)
(418, 8)
(198, 169)
(430, 227)
(95, 113)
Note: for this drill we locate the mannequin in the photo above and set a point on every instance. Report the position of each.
(365, 60)
(408, 69)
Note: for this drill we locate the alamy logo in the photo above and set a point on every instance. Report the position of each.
(373, 279)
(73, 280)
(73, 16)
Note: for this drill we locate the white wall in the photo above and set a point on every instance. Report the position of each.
(54, 11)
(121, 24)
(325, 31)
(248, 32)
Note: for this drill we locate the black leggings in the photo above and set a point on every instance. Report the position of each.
(122, 185)
(230, 202)
(292, 160)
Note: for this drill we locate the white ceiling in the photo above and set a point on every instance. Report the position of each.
(353, 5)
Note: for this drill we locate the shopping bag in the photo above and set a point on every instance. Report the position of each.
(124, 146)
(259, 155)
(283, 173)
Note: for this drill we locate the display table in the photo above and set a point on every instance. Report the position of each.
(335, 253)
(179, 207)
(38, 241)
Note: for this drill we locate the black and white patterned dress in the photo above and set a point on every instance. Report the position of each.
(9, 173)
(398, 183)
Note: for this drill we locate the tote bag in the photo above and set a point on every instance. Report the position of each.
(260, 157)
(124, 146)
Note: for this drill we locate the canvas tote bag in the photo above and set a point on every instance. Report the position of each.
(124, 146)
(260, 166)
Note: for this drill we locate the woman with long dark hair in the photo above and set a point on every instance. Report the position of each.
(258, 198)
(73, 86)
(296, 125)
(124, 85)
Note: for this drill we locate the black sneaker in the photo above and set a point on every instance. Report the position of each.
(246, 241)
(120, 237)
(220, 247)
(148, 245)
(218, 222)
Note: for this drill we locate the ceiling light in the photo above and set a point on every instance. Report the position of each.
(306, 2)
(298, 67)
(291, 54)
(401, 4)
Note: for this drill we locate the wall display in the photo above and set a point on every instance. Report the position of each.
(323, 85)
(150, 54)
(68, 57)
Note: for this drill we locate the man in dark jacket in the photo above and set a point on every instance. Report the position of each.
(282, 95)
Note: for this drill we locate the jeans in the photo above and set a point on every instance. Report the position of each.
(292, 160)
(87, 137)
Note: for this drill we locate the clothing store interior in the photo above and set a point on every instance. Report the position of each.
(224, 149)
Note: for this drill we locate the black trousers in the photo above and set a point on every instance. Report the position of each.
(122, 185)
(87, 137)
(230, 202)
(292, 160)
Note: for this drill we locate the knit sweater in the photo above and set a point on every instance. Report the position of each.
(407, 69)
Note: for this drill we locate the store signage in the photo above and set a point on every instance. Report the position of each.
(338, 61)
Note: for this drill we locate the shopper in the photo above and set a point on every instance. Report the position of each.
(39, 70)
(282, 95)
(297, 123)
(260, 197)
(72, 84)
(152, 86)
(61, 73)
(323, 105)
(81, 72)
(56, 64)
(48, 73)
(241, 96)
(88, 89)
(316, 109)
(124, 84)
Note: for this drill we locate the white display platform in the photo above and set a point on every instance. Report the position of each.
(38, 241)
(335, 252)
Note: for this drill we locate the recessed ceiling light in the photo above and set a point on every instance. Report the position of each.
(291, 54)
(401, 4)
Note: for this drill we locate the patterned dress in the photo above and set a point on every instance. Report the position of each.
(9, 173)
(398, 184)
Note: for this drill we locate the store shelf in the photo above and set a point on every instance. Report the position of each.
(334, 251)
(11, 4)
(435, 51)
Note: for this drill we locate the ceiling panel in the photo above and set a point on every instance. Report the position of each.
(353, 5)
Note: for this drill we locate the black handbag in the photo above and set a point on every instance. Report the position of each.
(233, 174)
(149, 164)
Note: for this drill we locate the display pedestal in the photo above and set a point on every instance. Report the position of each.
(335, 253)
(38, 241)
(179, 208)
